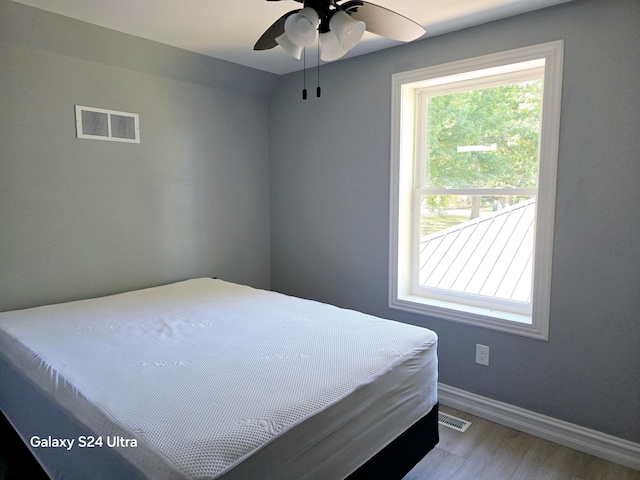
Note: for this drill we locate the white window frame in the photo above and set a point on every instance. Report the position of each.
(406, 87)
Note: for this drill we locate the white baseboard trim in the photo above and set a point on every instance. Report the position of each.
(564, 433)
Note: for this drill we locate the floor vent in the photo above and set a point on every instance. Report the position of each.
(453, 422)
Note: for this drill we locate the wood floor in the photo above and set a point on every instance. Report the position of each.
(494, 452)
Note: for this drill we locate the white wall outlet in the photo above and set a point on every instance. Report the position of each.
(482, 354)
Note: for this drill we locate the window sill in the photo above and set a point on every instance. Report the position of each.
(508, 322)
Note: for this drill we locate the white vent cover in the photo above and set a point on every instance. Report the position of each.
(453, 422)
(101, 124)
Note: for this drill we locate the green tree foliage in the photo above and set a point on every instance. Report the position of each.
(506, 115)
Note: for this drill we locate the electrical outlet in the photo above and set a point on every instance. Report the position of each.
(482, 354)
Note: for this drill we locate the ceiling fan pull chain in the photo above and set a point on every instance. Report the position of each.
(318, 91)
(304, 73)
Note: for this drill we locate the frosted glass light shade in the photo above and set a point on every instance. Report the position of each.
(330, 47)
(291, 48)
(301, 27)
(347, 30)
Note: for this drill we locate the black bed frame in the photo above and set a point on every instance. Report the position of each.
(16, 461)
(400, 456)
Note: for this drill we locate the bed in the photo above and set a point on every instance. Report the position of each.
(207, 379)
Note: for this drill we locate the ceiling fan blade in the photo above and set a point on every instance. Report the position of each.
(384, 22)
(268, 38)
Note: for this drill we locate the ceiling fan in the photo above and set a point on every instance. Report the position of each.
(338, 25)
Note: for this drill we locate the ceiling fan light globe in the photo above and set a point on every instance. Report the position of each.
(348, 30)
(354, 36)
(301, 28)
(330, 47)
(290, 47)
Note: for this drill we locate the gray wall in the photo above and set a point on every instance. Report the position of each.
(329, 183)
(80, 218)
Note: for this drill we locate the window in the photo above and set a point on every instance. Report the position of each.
(474, 155)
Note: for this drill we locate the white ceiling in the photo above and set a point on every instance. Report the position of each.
(229, 29)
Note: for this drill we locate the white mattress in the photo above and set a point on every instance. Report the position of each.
(218, 380)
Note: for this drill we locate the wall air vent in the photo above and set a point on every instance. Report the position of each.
(101, 124)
